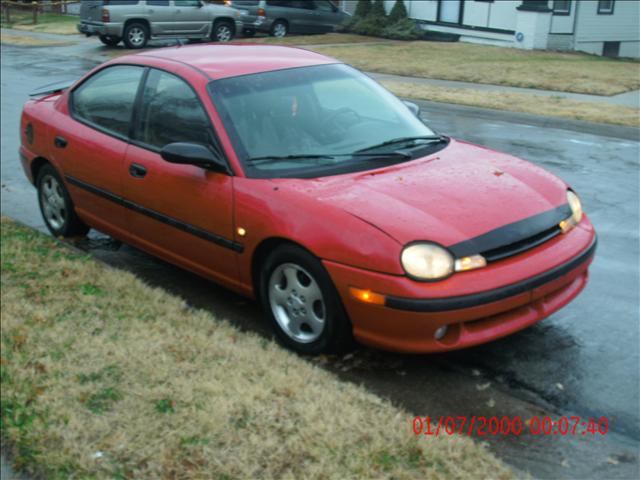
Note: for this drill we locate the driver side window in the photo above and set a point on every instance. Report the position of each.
(171, 112)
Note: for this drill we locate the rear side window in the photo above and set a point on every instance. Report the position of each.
(171, 112)
(106, 100)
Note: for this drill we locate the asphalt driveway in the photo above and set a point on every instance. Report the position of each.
(581, 361)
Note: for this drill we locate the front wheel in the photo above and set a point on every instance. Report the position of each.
(110, 40)
(279, 29)
(136, 35)
(223, 31)
(302, 303)
(56, 205)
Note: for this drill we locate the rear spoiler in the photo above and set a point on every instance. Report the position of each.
(52, 88)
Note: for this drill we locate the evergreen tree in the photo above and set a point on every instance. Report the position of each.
(377, 9)
(398, 12)
(363, 9)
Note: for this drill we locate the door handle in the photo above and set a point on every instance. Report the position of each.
(60, 142)
(137, 171)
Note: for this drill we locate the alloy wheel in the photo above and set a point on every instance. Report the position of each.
(53, 204)
(297, 303)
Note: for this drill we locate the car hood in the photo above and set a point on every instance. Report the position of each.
(459, 193)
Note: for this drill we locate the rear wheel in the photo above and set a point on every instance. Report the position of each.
(279, 29)
(302, 303)
(110, 40)
(56, 205)
(136, 35)
(223, 31)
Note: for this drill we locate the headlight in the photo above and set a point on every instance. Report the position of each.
(576, 212)
(427, 261)
(576, 206)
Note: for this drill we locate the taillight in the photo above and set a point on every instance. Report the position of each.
(106, 18)
(261, 12)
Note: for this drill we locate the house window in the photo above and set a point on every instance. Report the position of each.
(605, 7)
(562, 7)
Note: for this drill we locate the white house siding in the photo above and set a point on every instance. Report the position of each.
(502, 14)
(563, 24)
(423, 10)
(592, 30)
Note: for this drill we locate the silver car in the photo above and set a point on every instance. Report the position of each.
(281, 17)
(135, 22)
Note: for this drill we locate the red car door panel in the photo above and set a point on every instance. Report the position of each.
(183, 213)
(90, 144)
(93, 165)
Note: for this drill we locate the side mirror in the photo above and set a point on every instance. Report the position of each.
(193, 154)
(415, 109)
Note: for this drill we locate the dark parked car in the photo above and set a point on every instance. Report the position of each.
(281, 17)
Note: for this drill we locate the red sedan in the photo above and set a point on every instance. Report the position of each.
(287, 176)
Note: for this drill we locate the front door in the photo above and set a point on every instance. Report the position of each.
(450, 11)
(190, 18)
(183, 213)
(90, 144)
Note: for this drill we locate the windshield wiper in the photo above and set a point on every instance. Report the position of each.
(267, 158)
(394, 141)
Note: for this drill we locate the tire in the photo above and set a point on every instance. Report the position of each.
(109, 40)
(56, 206)
(279, 29)
(136, 35)
(302, 304)
(249, 32)
(223, 31)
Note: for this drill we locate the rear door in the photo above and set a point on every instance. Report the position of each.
(91, 142)
(180, 212)
(191, 18)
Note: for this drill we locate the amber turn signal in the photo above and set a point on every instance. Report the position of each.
(367, 296)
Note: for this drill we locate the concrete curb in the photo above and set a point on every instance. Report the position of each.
(607, 130)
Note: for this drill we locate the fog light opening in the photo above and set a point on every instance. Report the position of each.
(441, 332)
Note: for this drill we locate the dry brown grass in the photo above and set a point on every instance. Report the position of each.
(27, 41)
(325, 39)
(521, 102)
(105, 377)
(567, 72)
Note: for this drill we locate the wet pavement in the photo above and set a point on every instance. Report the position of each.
(583, 361)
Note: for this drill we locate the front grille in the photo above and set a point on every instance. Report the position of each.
(514, 238)
(520, 246)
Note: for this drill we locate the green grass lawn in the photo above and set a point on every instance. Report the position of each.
(47, 22)
(105, 377)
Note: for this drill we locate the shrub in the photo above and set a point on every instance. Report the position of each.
(405, 29)
(371, 26)
(363, 8)
(398, 12)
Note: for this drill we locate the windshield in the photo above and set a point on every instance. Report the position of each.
(316, 121)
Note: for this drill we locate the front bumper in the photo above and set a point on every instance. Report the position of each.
(541, 281)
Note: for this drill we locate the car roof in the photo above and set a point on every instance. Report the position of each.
(232, 60)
